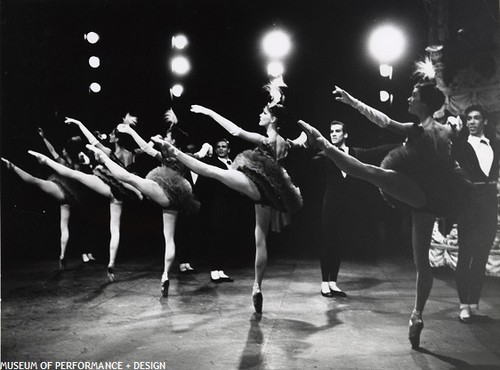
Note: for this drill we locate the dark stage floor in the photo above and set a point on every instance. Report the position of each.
(79, 316)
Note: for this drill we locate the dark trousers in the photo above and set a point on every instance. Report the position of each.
(476, 233)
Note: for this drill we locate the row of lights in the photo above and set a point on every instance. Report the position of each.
(94, 61)
(386, 44)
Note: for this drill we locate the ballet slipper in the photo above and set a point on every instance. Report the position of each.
(313, 135)
(42, 159)
(167, 149)
(8, 163)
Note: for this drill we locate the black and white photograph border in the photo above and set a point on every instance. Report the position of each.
(88, 67)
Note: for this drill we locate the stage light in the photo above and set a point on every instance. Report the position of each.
(387, 44)
(385, 96)
(179, 42)
(94, 62)
(180, 65)
(95, 87)
(386, 70)
(177, 90)
(276, 44)
(91, 37)
(275, 69)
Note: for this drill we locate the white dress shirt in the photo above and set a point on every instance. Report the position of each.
(484, 152)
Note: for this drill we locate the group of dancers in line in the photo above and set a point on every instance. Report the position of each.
(420, 175)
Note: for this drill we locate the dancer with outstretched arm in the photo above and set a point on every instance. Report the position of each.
(420, 175)
(255, 173)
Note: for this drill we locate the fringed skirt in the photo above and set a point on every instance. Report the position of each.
(177, 189)
(444, 184)
(274, 184)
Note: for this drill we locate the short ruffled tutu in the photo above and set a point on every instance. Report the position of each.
(272, 180)
(444, 184)
(119, 191)
(177, 189)
(74, 192)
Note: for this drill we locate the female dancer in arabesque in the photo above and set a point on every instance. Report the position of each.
(420, 175)
(255, 173)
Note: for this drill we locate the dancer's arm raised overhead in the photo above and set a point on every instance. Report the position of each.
(88, 135)
(374, 115)
(51, 148)
(229, 126)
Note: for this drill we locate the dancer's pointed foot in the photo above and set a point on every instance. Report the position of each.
(313, 135)
(98, 153)
(62, 263)
(257, 298)
(8, 163)
(111, 273)
(167, 149)
(415, 328)
(164, 288)
(42, 159)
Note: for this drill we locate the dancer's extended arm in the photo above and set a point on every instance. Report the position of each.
(143, 145)
(229, 126)
(51, 148)
(90, 137)
(377, 117)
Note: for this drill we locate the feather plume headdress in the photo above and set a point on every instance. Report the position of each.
(425, 70)
(275, 93)
(129, 120)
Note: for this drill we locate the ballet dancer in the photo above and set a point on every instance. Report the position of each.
(66, 192)
(164, 186)
(255, 173)
(119, 193)
(420, 175)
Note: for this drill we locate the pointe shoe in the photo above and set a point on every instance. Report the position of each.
(415, 328)
(8, 163)
(164, 288)
(257, 301)
(40, 157)
(111, 273)
(98, 153)
(62, 264)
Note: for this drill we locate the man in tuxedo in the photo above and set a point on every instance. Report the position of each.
(345, 220)
(479, 158)
(219, 205)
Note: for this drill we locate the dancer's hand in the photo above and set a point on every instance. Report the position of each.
(40, 132)
(200, 109)
(72, 120)
(342, 96)
(206, 150)
(124, 128)
(98, 153)
(39, 156)
(171, 117)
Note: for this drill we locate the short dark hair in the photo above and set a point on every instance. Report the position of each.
(477, 108)
(224, 140)
(430, 95)
(339, 123)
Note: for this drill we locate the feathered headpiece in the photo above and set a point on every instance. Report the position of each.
(425, 70)
(129, 120)
(275, 93)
